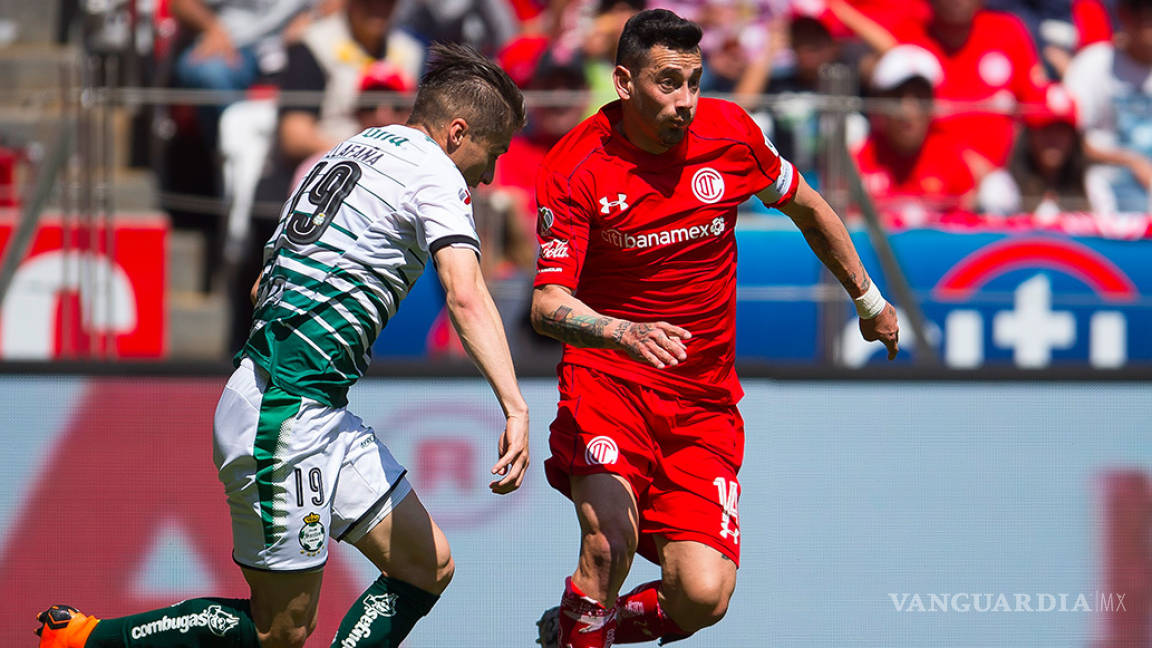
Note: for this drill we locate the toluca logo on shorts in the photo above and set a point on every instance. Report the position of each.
(375, 606)
(544, 220)
(214, 618)
(312, 535)
(601, 451)
(554, 249)
(671, 235)
(606, 205)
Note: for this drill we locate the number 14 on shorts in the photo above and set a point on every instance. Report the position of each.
(729, 496)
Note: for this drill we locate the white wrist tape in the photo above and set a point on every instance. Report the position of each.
(870, 304)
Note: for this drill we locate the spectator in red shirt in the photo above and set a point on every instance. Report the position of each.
(907, 168)
(989, 65)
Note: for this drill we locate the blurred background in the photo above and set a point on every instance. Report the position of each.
(992, 160)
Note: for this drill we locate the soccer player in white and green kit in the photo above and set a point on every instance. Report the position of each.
(298, 467)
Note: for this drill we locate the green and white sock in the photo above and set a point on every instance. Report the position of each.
(195, 623)
(383, 615)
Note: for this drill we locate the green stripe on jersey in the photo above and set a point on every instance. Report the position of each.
(302, 282)
(343, 230)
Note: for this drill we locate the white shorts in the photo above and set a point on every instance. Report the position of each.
(297, 471)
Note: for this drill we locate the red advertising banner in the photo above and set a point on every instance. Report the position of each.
(83, 292)
(127, 515)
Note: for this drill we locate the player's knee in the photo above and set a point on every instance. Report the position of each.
(699, 602)
(432, 572)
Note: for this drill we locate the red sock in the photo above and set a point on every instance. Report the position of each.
(584, 623)
(640, 618)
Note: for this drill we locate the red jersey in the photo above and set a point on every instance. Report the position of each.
(998, 64)
(649, 237)
(936, 177)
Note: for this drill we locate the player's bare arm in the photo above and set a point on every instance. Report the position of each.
(829, 240)
(557, 313)
(481, 331)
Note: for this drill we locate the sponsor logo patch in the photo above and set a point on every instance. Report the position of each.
(375, 606)
(544, 220)
(214, 618)
(625, 241)
(383, 604)
(607, 205)
(554, 249)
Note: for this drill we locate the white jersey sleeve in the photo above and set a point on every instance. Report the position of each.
(442, 206)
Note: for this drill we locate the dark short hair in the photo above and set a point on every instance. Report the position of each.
(653, 27)
(1134, 5)
(459, 81)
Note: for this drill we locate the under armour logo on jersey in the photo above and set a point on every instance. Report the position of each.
(606, 205)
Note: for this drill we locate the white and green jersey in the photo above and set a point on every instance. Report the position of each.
(351, 241)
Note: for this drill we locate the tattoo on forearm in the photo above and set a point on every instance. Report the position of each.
(580, 330)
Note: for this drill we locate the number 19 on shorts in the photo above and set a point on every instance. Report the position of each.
(729, 496)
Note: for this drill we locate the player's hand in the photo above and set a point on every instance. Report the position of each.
(660, 344)
(513, 462)
(883, 327)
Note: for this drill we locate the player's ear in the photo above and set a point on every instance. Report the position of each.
(457, 131)
(622, 79)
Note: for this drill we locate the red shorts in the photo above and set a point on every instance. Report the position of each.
(681, 457)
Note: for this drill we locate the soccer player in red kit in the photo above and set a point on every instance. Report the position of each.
(637, 276)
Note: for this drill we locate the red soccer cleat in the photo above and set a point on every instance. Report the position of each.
(64, 627)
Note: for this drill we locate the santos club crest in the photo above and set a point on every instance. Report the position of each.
(312, 535)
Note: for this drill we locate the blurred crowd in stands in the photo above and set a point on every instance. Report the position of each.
(953, 110)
